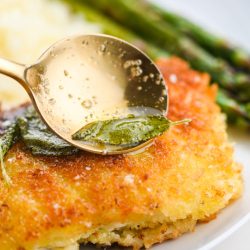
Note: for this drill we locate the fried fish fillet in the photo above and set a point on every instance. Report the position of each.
(185, 177)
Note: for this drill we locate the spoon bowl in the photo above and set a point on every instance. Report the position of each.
(87, 78)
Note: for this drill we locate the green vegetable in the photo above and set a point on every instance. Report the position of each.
(151, 27)
(111, 28)
(126, 131)
(232, 108)
(39, 139)
(6, 141)
(216, 45)
(225, 75)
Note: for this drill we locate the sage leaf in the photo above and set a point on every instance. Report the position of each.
(39, 139)
(6, 141)
(125, 131)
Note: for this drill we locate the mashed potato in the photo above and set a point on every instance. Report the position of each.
(27, 28)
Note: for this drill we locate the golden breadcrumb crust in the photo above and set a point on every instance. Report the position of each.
(186, 176)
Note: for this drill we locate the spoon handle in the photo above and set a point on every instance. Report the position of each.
(13, 70)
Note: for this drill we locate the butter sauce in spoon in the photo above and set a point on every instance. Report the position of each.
(84, 79)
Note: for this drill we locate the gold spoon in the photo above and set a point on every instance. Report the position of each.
(87, 78)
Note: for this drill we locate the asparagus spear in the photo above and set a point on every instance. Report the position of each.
(111, 28)
(232, 108)
(216, 45)
(152, 28)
